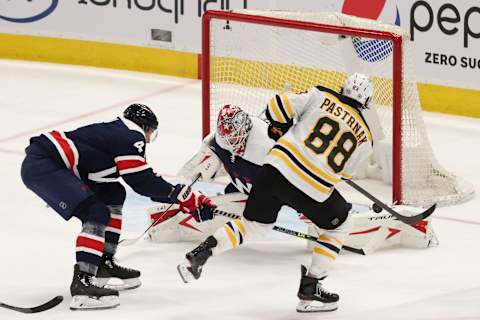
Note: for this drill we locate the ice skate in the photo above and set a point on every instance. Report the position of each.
(112, 276)
(88, 296)
(313, 297)
(191, 268)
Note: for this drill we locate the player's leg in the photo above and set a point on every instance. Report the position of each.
(110, 274)
(260, 213)
(69, 196)
(332, 223)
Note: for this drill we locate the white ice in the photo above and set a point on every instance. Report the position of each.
(257, 281)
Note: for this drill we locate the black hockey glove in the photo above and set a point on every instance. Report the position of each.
(203, 214)
(276, 129)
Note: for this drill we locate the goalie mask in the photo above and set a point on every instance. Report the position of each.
(358, 88)
(233, 126)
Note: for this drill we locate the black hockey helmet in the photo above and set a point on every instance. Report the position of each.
(142, 116)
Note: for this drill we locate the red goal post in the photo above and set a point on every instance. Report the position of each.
(226, 76)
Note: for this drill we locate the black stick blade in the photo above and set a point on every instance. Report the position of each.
(421, 216)
(43, 307)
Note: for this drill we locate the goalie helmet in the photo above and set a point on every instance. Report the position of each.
(358, 88)
(142, 115)
(233, 126)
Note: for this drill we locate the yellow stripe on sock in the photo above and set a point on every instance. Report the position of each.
(240, 226)
(323, 252)
(231, 236)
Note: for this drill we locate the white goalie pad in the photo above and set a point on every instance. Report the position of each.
(183, 227)
(373, 231)
(205, 162)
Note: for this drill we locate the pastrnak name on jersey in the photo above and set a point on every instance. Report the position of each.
(348, 115)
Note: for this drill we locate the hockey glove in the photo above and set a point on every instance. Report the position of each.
(198, 205)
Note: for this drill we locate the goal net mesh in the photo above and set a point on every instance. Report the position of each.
(250, 62)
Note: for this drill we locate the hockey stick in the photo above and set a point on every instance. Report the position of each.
(408, 220)
(43, 307)
(129, 242)
(290, 232)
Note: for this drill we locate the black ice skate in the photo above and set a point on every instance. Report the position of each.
(313, 297)
(122, 278)
(195, 259)
(87, 295)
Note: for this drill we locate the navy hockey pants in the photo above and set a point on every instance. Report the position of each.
(53, 182)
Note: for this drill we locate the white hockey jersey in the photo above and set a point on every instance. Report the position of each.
(328, 140)
(243, 169)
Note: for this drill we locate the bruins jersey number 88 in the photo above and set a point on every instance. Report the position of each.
(329, 140)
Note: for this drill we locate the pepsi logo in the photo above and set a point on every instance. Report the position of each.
(384, 10)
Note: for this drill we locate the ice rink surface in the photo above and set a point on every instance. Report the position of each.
(257, 281)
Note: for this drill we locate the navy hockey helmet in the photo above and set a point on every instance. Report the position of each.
(142, 115)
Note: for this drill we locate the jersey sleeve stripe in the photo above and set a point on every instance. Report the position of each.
(318, 171)
(299, 172)
(276, 111)
(281, 107)
(130, 164)
(133, 169)
(288, 105)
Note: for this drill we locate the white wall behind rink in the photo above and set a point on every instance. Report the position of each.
(446, 33)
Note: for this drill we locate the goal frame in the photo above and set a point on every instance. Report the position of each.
(397, 78)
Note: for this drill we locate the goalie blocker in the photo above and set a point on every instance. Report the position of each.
(371, 231)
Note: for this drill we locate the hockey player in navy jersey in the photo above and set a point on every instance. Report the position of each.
(321, 138)
(76, 173)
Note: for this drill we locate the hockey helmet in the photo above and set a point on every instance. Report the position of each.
(233, 127)
(142, 115)
(358, 88)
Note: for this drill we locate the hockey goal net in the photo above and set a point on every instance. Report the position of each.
(250, 55)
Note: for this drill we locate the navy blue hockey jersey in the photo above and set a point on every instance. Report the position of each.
(103, 152)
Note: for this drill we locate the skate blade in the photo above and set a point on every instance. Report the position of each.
(118, 284)
(184, 273)
(91, 303)
(305, 306)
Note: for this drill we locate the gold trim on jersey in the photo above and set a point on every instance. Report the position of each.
(282, 108)
(299, 172)
(315, 169)
(276, 111)
(288, 105)
(334, 106)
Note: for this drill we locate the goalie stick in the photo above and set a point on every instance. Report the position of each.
(129, 242)
(405, 219)
(43, 307)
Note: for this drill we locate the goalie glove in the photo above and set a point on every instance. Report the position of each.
(198, 205)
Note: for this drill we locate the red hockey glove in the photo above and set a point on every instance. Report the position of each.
(197, 204)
